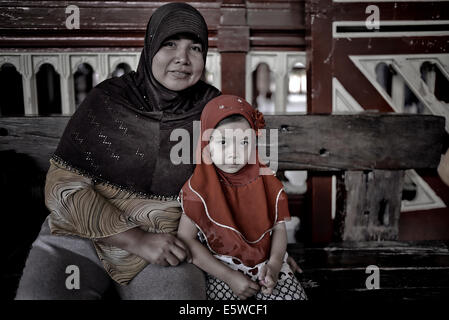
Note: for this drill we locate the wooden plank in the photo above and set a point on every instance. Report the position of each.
(407, 270)
(388, 295)
(372, 205)
(37, 137)
(433, 277)
(315, 142)
(362, 141)
(94, 15)
(122, 23)
(361, 254)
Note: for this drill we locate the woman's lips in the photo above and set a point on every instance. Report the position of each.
(180, 74)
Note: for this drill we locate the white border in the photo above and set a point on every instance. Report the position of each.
(373, 1)
(378, 34)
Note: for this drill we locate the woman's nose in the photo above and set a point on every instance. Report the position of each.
(182, 56)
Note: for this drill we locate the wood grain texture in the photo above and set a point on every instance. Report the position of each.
(407, 270)
(372, 205)
(36, 137)
(38, 24)
(314, 142)
(358, 142)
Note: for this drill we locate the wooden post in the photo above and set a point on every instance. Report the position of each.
(319, 100)
(372, 205)
(233, 44)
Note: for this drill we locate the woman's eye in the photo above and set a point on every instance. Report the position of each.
(169, 44)
(222, 142)
(245, 142)
(197, 48)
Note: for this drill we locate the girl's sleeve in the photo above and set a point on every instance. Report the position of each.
(77, 209)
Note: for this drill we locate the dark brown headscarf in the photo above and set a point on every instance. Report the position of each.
(120, 134)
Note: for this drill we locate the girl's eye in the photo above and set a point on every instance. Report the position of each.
(221, 142)
(245, 142)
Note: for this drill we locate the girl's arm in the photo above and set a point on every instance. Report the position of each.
(241, 285)
(278, 243)
(269, 274)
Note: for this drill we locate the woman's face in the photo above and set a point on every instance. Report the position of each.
(179, 63)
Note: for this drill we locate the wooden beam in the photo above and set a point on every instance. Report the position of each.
(311, 142)
(362, 141)
(41, 24)
(36, 137)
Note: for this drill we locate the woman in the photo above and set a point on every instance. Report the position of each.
(111, 187)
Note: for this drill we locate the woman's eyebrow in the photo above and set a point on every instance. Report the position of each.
(175, 37)
(179, 37)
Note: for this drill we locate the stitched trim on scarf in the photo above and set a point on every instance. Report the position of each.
(95, 179)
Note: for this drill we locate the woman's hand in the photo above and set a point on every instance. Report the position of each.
(156, 248)
(268, 276)
(242, 286)
(162, 249)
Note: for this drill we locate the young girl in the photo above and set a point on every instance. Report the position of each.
(233, 212)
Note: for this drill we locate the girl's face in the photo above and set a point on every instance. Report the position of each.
(179, 63)
(231, 145)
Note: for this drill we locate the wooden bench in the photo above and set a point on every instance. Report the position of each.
(368, 152)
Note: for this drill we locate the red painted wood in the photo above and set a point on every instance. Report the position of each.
(427, 224)
(233, 66)
(318, 220)
(319, 100)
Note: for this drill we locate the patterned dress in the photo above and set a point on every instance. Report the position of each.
(287, 287)
(81, 207)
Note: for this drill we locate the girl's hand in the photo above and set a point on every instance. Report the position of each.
(242, 286)
(268, 276)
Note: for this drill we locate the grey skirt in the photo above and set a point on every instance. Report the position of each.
(68, 267)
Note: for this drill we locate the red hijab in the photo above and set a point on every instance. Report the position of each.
(235, 212)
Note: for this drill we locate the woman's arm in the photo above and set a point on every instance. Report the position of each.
(241, 285)
(269, 274)
(77, 209)
(156, 248)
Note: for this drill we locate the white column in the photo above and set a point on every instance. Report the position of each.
(68, 104)
(248, 82)
(102, 69)
(397, 92)
(281, 92)
(29, 86)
